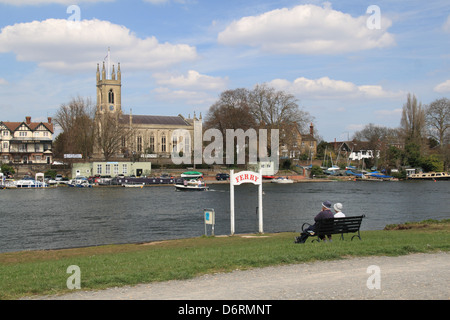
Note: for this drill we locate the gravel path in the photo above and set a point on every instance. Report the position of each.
(417, 276)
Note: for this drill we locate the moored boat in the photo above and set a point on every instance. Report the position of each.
(282, 180)
(80, 182)
(133, 185)
(28, 182)
(436, 176)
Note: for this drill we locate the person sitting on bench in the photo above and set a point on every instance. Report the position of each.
(310, 231)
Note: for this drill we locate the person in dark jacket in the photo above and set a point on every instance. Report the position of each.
(310, 231)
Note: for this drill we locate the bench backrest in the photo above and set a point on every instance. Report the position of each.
(339, 225)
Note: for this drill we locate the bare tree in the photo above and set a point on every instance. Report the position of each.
(110, 132)
(231, 111)
(276, 109)
(413, 121)
(76, 120)
(438, 120)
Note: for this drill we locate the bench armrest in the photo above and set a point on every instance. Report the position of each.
(305, 224)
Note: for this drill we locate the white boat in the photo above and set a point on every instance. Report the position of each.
(436, 176)
(282, 180)
(80, 182)
(133, 185)
(192, 185)
(29, 182)
(192, 175)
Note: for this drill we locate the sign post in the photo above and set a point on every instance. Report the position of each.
(241, 178)
(210, 218)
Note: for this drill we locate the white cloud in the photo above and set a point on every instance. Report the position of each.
(307, 29)
(3, 82)
(193, 88)
(63, 45)
(43, 2)
(443, 87)
(189, 97)
(192, 81)
(332, 89)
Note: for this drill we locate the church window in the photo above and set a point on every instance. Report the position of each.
(139, 144)
(187, 145)
(174, 143)
(111, 96)
(163, 143)
(152, 143)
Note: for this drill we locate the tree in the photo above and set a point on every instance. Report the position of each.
(413, 121)
(277, 109)
(438, 121)
(231, 111)
(110, 134)
(260, 108)
(76, 120)
(378, 139)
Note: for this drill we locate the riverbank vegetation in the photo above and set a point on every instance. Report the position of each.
(32, 273)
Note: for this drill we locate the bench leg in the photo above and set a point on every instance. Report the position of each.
(357, 235)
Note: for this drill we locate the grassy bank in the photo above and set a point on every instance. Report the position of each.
(45, 272)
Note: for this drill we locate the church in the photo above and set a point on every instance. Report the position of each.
(152, 136)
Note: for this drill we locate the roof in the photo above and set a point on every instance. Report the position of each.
(13, 126)
(157, 120)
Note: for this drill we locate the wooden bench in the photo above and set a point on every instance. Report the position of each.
(336, 226)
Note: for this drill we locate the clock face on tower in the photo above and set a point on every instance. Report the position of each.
(111, 107)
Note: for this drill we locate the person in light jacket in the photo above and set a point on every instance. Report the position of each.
(338, 209)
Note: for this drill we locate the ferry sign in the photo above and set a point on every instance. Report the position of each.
(246, 177)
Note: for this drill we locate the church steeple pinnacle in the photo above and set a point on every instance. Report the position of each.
(103, 72)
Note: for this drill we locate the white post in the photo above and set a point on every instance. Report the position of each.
(260, 203)
(232, 201)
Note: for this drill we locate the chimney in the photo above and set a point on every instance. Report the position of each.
(311, 130)
(49, 119)
(28, 120)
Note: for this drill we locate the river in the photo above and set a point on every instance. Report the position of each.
(57, 218)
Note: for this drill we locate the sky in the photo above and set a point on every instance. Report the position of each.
(349, 63)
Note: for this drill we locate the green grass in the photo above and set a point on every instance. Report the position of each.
(44, 272)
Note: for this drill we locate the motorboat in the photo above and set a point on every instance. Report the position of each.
(192, 185)
(29, 182)
(192, 175)
(282, 180)
(80, 182)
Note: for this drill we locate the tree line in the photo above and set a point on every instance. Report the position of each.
(421, 140)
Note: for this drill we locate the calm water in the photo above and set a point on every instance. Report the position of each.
(72, 217)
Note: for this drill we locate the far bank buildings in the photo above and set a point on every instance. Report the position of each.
(152, 139)
(152, 134)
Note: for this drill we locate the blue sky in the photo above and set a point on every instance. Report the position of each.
(347, 67)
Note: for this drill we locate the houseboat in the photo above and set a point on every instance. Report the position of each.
(430, 176)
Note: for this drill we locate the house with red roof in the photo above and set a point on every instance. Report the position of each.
(26, 142)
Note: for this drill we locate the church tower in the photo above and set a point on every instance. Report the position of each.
(109, 87)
